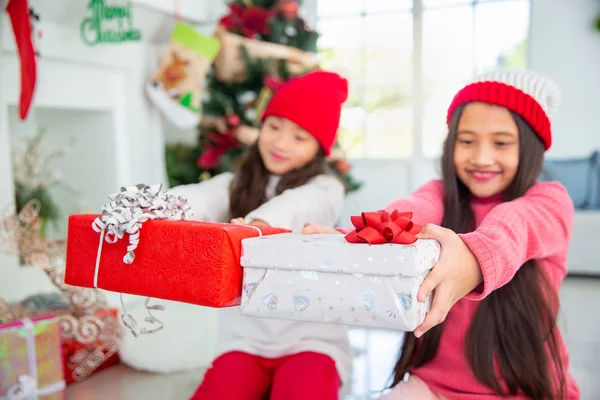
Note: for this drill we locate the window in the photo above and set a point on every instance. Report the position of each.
(380, 44)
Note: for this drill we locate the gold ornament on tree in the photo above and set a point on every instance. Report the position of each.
(230, 65)
(34, 179)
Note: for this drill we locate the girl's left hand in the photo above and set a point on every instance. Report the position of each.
(454, 276)
(255, 222)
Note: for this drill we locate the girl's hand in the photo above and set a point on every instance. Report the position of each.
(255, 222)
(454, 276)
(310, 229)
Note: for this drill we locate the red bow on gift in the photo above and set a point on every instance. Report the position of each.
(382, 227)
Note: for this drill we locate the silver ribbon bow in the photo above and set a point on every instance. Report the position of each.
(125, 214)
(133, 206)
(25, 389)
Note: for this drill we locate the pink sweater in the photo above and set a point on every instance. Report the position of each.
(535, 226)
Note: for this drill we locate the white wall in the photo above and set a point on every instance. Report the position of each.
(89, 136)
(565, 46)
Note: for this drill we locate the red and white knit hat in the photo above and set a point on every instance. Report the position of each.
(314, 102)
(526, 93)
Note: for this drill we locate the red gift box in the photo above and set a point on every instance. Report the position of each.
(98, 350)
(187, 261)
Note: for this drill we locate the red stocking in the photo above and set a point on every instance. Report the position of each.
(18, 11)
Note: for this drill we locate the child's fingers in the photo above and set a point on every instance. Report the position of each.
(437, 314)
(238, 221)
(432, 231)
(432, 280)
(310, 229)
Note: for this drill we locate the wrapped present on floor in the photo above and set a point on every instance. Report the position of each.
(89, 330)
(168, 258)
(30, 360)
(368, 278)
(90, 343)
(89, 340)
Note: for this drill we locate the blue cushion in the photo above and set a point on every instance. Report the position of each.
(581, 177)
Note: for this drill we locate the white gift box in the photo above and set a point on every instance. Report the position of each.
(323, 278)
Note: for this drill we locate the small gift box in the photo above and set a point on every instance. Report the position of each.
(170, 258)
(30, 360)
(368, 278)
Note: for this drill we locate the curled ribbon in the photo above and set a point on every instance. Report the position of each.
(131, 324)
(382, 227)
(133, 206)
(25, 389)
(126, 213)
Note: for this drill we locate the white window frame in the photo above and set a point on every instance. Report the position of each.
(417, 65)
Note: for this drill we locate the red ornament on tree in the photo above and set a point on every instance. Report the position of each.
(342, 166)
(288, 9)
(273, 83)
(232, 120)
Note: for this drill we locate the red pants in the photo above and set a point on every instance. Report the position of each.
(242, 376)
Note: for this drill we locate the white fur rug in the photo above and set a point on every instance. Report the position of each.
(186, 342)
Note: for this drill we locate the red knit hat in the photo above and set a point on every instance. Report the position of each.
(526, 93)
(314, 102)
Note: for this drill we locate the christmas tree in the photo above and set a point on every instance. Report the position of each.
(264, 43)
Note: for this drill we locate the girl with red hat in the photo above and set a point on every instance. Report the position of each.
(491, 332)
(282, 181)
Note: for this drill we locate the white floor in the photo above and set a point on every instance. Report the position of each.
(375, 357)
(376, 353)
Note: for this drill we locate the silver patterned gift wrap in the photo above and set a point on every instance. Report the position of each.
(323, 278)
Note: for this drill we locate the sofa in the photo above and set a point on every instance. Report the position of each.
(581, 177)
(581, 290)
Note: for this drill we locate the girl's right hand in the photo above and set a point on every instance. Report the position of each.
(310, 229)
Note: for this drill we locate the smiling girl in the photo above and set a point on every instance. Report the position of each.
(282, 181)
(491, 332)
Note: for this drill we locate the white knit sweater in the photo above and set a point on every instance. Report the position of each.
(320, 201)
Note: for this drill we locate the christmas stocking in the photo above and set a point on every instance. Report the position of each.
(177, 85)
(18, 12)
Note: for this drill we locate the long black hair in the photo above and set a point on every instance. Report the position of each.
(247, 190)
(515, 324)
